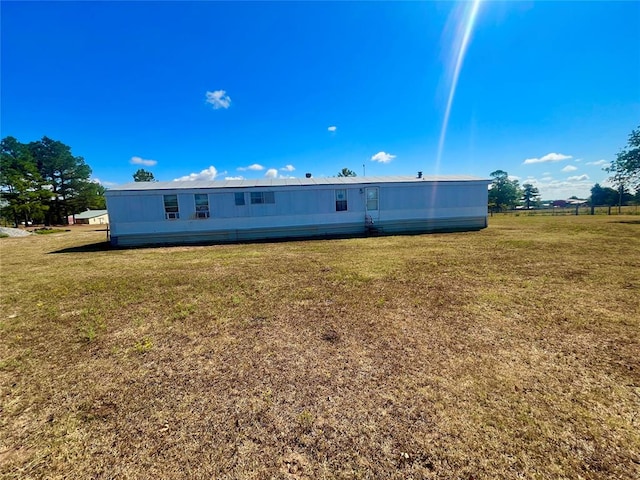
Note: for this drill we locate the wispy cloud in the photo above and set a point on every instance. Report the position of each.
(142, 161)
(382, 157)
(239, 177)
(288, 168)
(219, 99)
(598, 163)
(549, 157)
(255, 167)
(569, 168)
(578, 178)
(332, 128)
(206, 174)
(271, 173)
(104, 183)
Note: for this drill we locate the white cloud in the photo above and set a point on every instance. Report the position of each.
(206, 174)
(254, 167)
(569, 168)
(332, 128)
(239, 177)
(104, 183)
(599, 163)
(142, 161)
(382, 157)
(578, 178)
(271, 173)
(219, 99)
(288, 168)
(551, 189)
(549, 157)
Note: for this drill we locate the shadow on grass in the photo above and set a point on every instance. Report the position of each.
(106, 246)
(631, 222)
(92, 247)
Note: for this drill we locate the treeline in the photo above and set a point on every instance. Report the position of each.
(43, 182)
(507, 194)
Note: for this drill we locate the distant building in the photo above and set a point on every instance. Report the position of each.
(240, 210)
(91, 217)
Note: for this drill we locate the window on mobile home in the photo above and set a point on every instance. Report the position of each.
(202, 205)
(262, 197)
(171, 207)
(341, 200)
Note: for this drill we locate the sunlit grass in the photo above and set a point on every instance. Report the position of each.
(508, 352)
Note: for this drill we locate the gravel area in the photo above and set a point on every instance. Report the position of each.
(14, 232)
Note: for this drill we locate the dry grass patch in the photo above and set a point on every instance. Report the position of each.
(510, 352)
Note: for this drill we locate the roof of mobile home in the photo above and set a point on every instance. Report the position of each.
(281, 182)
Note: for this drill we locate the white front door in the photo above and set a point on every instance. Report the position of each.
(372, 199)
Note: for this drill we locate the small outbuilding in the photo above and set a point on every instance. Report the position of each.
(92, 217)
(143, 213)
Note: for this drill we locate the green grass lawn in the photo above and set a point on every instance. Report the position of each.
(513, 352)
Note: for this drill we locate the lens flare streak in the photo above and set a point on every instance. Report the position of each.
(468, 24)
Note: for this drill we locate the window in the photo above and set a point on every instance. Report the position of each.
(239, 198)
(262, 197)
(171, 207)
(341, 200)
(202, 205)
(372, 198)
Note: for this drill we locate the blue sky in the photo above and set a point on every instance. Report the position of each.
(547, 91)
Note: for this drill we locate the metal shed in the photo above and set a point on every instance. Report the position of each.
(244, 210)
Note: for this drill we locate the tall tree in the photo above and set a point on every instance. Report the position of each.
(625, 169)
(22, 190)
(90, 196)
(345, 172)
(143, 175)
(602, 196)
(530, 195)
(503, 192)
(66, 174)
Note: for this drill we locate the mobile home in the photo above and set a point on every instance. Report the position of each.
(144, 213)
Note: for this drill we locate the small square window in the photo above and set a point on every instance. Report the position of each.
(239, 198)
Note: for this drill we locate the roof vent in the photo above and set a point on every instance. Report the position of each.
(419, 174)
(308, 175)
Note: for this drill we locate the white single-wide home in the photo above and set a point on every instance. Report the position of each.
(144, 213)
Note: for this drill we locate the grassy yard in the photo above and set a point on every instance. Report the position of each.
(513, 352)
